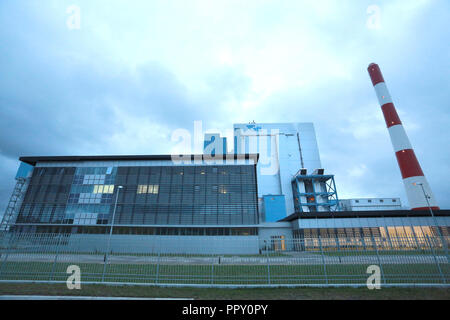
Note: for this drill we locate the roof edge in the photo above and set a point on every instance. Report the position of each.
(174, 157)
(365, 214)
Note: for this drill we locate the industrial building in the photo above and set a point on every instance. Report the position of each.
(272, 186)
(370, 204)
(79, 195)
(212, 196)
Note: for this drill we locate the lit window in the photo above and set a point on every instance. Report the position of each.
(107, 188)
(142, 188)
(152, 188)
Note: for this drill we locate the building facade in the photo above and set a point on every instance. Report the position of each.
(274, 191)
(153, 195)
(370, 204)
(284, 149)
(395, 228)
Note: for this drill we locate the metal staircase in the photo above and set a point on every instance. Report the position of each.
(14, 204)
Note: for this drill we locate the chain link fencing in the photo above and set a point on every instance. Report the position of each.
(217, 261)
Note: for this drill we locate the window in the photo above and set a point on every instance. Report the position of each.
(155, 189)
(85, 218)
(108, 188)
(142, 188)
(222, 189)
(150, 188)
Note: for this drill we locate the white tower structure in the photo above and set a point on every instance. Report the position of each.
(283, 149)
(420, 196)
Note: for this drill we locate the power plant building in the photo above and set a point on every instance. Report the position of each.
(271, 186)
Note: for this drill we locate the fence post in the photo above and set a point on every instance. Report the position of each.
(363, 243)
(435, 259)
(268, 262)
(444, 245)
(157, 266)
(323, 260)
(56, 257)
(105, 263)
(212, 270)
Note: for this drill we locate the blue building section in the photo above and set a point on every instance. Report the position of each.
(24, 170)
(274, 207)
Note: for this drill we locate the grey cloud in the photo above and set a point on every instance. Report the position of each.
(59, 91)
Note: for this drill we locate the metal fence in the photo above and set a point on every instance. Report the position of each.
(217, 261)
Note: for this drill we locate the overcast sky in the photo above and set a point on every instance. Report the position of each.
(130, 73)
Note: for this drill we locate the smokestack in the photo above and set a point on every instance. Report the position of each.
(413, 177)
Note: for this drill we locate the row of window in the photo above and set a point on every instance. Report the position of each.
(100, 214)
(383, 238)
(141, 170)
(189, 170)
(52, 179)
(374, 232)
(107, 188)
(95, 170)
(93, 179)
(160, 231)
(133, 180)
(150, 188)
(379, 200)
(90, 198)
(41, 171)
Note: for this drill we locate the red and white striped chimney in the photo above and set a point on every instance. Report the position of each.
(413, 177)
